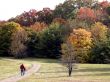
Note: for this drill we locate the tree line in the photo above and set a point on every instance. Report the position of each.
(83, 24)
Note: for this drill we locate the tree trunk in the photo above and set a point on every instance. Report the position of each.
(70, 71)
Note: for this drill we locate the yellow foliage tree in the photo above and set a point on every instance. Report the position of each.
(101, 44)
(99, 33)
(81, 41)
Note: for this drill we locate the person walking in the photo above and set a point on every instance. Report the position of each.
(23, 69)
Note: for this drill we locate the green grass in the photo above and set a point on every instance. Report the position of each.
(52, 71)
(10, 67)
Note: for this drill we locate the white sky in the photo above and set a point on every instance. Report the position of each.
(11, 8)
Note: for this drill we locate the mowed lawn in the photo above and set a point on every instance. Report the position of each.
(52, 71)
(10, 67)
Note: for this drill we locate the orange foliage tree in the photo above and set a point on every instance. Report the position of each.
(104, 4)
(86, 14)
(38, 26)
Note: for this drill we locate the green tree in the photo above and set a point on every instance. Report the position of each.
(33, 42)
(5, 37)
(51, 40)
(47, 42)
(65, 10)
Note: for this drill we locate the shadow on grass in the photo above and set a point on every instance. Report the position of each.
(93, 70)
(60, 76)
(42, 60)
(54, 72)
(96, 74)
(73, 75)
(79, 70)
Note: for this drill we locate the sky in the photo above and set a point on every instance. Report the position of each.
(12, 8)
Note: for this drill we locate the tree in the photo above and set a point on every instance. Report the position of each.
(50, 41)
(101, 44)
(108, 10)
(32, 16)
(46, 16)
(68, 56)
(26, 18)
(38, 26)
(2, 23)
(33, 42)
(76, 23)
(6, 32)
(18, 43)
(46, 43)
(65, 10)
(60, 21)
(99, 32)
(106, 19)
(104, 4)
(86, 3)
(86, 14)
(82, 41)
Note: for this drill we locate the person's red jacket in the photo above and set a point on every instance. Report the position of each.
(22, 67)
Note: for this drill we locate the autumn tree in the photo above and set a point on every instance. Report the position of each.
(68, 56)
(60, 21)
(106, 18)
(26, 18)
(99, 33)
(104, 4)
(81, 41)
(100, 43)
(2, 23)
(76, 23)
(30, 17)
(86, 14)
(18, 43)
(46, 16)
(39, 26)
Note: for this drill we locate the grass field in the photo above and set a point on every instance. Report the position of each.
(10, 67)
(52, 71)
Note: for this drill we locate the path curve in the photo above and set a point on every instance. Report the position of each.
(33, 69)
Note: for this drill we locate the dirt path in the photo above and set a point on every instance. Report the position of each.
(18, 77)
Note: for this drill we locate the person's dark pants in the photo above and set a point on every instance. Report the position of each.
(22, 72)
